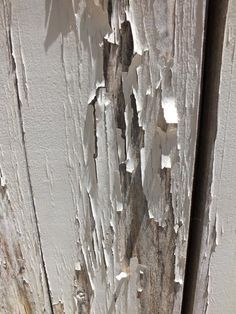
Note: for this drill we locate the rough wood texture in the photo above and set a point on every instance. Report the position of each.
(216, 274)
(23, 287)
(108, 96)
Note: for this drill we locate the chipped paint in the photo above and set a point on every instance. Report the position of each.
(109, 94)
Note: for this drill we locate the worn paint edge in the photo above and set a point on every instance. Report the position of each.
(207, 129)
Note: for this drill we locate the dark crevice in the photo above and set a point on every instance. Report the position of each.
(106, 56)
(120, 111)
(16, 84)
(109, 10)
(211, 66)
(137, 133)
(127, 46)
(95, 154)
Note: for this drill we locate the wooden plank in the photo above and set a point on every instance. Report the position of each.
(23, 287)
(216, 274)
(110, 97)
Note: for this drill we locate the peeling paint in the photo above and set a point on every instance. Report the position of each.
(109, 94)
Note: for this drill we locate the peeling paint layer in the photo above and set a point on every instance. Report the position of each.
(109, 94)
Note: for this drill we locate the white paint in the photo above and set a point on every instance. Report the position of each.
(170, 110)
(219, 242)
(3, 181)
(165, 161)
(84, 221)
(22, 278)
(121, 276)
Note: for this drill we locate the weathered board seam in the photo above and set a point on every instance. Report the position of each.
(212, 275)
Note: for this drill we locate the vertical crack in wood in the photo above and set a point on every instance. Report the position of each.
(207, 129)
(95, 154)
(109, 10)
(21, 122)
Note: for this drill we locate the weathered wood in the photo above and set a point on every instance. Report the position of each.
(216, 273)
(23, 287)
(109, 94)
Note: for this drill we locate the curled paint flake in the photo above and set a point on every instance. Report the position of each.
(121, 276)
(2, 181)
(77, 266)
(165, 161)
(170, 110)
(179, 281)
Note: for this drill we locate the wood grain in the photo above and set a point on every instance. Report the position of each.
(109, 94)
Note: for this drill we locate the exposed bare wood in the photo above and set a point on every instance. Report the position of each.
(109, 94)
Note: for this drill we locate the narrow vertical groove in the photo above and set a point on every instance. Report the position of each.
(27, 166)
(214, 37)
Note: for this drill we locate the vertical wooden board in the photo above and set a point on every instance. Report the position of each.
(110, 96)
(23, 287)
(43, 93)
(215, 286)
